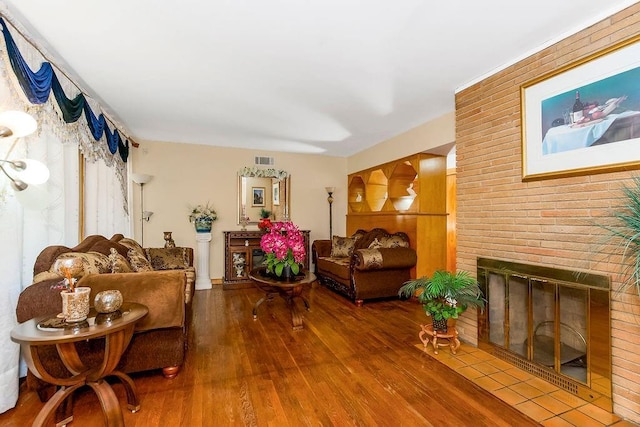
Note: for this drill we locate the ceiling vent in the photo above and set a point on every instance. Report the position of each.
(264, 161)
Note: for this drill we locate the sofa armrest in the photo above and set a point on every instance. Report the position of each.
(320, 248)
(384, 258)
(163, 292)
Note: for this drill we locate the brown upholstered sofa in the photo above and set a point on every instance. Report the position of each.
(163, 281)
(367, 265)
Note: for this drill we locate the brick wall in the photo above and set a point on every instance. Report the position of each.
(546, 222)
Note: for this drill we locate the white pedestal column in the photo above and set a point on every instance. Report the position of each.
(203, 279)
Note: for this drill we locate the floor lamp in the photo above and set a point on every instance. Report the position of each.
(141, 179)
(330, 191)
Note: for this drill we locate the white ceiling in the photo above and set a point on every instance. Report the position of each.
(326, 76)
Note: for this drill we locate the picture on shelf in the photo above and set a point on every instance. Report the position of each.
(258, 196)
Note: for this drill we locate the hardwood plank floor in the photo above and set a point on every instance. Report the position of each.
(349, 366)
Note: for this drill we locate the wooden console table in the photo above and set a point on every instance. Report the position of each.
(117, 334)
(287, 290)
(242, 254)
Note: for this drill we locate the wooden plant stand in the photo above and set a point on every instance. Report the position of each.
(427, 335)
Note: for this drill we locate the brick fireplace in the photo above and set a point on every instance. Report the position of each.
(548, 223)
(550, 322)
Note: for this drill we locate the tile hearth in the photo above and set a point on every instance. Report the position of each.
(536, 398)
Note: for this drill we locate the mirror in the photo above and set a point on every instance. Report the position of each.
(267, 189)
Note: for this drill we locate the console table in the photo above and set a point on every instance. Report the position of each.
(242, 254)
(117, 333)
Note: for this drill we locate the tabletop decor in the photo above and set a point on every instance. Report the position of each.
(75, 300)
(284, 250)
(108, 301)
(583, 117)
(202, 216)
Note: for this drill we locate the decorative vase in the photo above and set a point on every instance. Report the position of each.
(168, 240)
(203, 225)
(439, 325)
(75, 304)
(286, 276)
(108, 301)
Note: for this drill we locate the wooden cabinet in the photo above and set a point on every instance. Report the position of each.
(242, 254)
(406, 195)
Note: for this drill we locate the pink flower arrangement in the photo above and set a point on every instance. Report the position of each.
(283, 245)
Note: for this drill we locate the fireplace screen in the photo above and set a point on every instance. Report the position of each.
(553, 323)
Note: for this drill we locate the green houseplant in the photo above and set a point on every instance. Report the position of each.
(444, 295)
(624, 235)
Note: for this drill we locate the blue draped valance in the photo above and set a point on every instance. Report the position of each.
(37, 86)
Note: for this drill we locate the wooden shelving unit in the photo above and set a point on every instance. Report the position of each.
(407, 195)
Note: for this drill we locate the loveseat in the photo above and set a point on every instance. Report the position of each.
(367, 265)
(161, 278)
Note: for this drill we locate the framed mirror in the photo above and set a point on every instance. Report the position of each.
(267, 189)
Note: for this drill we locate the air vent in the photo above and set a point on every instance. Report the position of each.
(268, 161)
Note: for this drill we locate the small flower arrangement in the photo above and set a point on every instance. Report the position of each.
(283, 245)
(203, 213)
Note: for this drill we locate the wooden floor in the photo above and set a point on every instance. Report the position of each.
(349, 366)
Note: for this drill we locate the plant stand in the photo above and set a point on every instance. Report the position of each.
(428, 335)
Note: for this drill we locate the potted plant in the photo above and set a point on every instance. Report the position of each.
(284, 250)
(444, 295)
(265, 221)
(624, 235)
(202, 217)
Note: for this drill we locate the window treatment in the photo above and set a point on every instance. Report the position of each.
(48, 214)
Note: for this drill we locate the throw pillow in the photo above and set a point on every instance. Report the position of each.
(167, 258)
(46, 275)
(371, 259)
(342, 246)
(132, 244)
(119, 264)
(393, 242)
(375, 244)
(138, 262)
(92, 262)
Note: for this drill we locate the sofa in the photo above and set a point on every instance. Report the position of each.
(367, 265)
(163, 279)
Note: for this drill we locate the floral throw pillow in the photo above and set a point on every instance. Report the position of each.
(167, 258)
(375, 244)
(371, 259)
(119, 264)
(138, 261)
(342, 246)
(92, 262)
(393, 242)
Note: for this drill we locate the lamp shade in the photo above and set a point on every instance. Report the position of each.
(19, 122)
(141, 178)
(330, 189)
(34, 172)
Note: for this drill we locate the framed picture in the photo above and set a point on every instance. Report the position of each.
(276, 193)
(583, 118)
(257, 194)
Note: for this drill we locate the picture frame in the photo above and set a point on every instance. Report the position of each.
(257, 196)
(583, 118)
(276, 193)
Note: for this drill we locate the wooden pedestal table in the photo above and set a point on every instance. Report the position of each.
(117, 333)
(287, 290)
(429, 336)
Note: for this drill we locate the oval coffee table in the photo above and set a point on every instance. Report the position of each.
(287, 290)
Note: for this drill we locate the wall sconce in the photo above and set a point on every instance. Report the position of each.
(28, 171)
(16, 124)
(142, 179)
(330, 191)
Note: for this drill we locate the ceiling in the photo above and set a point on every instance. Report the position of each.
(330, 77)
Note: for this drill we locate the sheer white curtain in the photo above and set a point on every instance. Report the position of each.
(48, 214)
(104, 202)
